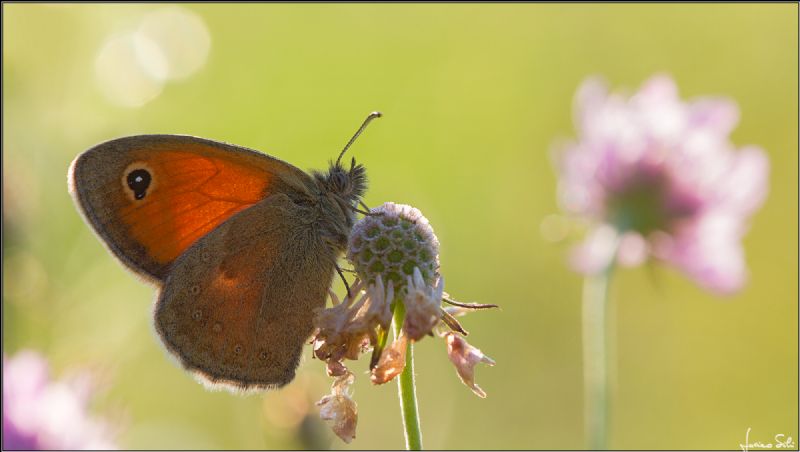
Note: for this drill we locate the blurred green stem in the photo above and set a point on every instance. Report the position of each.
(406, 388)
(595, 359)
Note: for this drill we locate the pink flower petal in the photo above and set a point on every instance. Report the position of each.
(589, 100)
(746, 185)
(659, 112)
(718, 114)
(709, 252)
(596, 252)
(658, 89)
(632, 250)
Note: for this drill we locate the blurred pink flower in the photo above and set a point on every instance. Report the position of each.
(658, 177)
(39, 414)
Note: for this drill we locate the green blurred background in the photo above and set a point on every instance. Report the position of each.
(473, 97)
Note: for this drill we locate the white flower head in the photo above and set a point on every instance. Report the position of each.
(391, 242)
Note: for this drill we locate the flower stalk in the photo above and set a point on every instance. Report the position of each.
(596, 355)
(406, 389)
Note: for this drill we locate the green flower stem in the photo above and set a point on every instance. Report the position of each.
(406, 388)
(595, 359)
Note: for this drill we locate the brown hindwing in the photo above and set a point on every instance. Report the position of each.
(238, 305)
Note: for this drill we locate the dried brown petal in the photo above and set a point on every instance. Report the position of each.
(392, 362)
(340, 333)
(465, 357)
(379, 311)
(423, 306)
(336, 369)
(355, 345)
(338, 315)
(340, 409)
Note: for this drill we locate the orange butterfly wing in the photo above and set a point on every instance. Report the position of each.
(150, 197)
(195, 194)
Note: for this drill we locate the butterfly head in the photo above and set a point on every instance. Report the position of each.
(347, 184)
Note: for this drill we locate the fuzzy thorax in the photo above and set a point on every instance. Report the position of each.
(340, 192)
(346, 185)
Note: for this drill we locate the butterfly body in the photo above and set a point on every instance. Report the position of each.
(242, 246)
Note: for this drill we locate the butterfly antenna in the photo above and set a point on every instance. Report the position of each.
(373, 115)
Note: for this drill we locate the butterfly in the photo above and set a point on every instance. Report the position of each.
(241, 246)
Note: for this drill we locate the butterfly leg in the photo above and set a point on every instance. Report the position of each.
(367, 211)
(344, 280)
